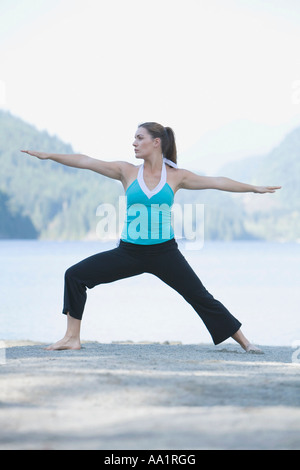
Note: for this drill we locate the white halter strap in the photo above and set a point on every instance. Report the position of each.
(170, 163)
(163, 179)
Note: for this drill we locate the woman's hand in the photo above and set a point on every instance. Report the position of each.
(265, 189)
(40, 155)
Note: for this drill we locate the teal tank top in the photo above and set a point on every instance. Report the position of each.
(148, 213)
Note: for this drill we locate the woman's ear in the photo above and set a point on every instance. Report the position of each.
(157, 142)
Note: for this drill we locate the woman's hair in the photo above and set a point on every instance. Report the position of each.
(167, 138)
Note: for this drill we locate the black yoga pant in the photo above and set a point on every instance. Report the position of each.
(165, 261)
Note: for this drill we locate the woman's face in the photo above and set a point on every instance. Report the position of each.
(144, 144)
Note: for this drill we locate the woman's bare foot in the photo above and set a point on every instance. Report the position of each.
(253, 349)
(71, 340)
(65, 343)
(245, 344)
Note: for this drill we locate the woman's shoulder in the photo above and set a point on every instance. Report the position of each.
(128, 168)
(175, 177)
(129, 173)
(176, 173)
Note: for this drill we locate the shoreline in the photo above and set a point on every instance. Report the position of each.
(147, 395)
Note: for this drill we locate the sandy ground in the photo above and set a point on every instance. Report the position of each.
(148, 396)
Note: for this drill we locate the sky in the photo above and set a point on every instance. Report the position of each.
(89, 71)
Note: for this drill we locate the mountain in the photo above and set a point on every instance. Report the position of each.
(54, 201)
(235, 141)
(12, 223)
(273, 216)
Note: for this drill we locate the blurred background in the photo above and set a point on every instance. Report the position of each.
(79, 76)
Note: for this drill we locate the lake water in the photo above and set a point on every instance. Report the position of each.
(258, 282)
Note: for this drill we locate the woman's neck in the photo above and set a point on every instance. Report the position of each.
(154, 163)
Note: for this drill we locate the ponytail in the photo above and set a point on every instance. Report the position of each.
(167, 138)
(171, 150)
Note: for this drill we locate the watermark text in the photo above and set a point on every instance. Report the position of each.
(2, 93)
(296, 92)
(155, 221)
(296, 353)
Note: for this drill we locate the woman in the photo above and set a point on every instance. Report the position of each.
(150, 246)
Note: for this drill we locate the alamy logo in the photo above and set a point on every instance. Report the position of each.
(2, 93)
(296, 354)
(296, 92)
(187, 222)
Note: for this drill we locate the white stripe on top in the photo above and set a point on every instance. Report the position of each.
(160, 185)
(163, 178)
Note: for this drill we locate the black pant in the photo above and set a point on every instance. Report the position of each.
(165, 261)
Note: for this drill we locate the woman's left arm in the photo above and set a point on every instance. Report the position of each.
(189, 180)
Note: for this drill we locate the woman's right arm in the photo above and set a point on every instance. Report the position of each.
(117, 170)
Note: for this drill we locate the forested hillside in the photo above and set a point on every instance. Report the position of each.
(273, 217)
(45, 200)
